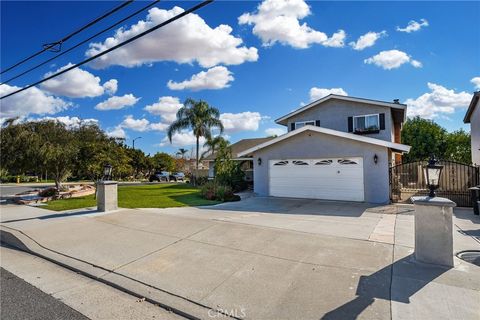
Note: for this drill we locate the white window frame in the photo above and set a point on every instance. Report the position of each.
(363, 116)
(304, 123)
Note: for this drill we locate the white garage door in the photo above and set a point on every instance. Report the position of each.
(328, 178)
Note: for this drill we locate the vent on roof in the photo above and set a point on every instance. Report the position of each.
(397, 101)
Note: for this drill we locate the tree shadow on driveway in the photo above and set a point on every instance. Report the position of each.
(379, 286)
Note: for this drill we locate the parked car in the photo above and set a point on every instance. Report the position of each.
(160, 176)
(177, 176)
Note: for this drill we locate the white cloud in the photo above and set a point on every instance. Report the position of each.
(30, 101)
(166, 108)
(186, 40)
(278, 21)
(182, 139)
(76, 83)
(275, 131)
(367, 40)
(214, 78)
(111, 86)
(317, 93)
(439, 101)
(141, 125)
(244, 121)
(70, 122)
(413, 26)
(117, 132)
(135, 124)
(476, 82)
(117, 102)
(392, 59)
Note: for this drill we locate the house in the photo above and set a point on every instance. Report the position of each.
(246, 163)
(336, 148)
(473, 117)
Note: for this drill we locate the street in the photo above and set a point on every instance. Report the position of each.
(20, 300)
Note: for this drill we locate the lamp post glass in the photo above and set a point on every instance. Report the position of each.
(107, 172)
(432, 176)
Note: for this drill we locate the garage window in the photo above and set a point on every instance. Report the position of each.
(366, 124)
(346, 161)
(281, 163)
(300, 163)
(324, 162)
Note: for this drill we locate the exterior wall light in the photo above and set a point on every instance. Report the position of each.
(107, 172)
(259, 161)
(432, 173)
(375, 158)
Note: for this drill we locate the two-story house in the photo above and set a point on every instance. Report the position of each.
(473, 117)
(336, 148)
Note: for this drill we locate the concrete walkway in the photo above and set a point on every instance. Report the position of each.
(261, 258)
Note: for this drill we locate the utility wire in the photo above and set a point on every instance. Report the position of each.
(57, 45)
(160, 25)
(82, 42)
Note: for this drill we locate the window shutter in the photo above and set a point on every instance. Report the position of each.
(317, 123)
(350, 124)
(382, 121)
(292, 126)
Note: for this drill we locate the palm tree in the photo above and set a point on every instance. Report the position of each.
(181, 152)
(212, 145)
(198, 116)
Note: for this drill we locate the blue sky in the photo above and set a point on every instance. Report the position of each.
(254, 69)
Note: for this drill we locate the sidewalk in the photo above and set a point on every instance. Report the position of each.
(240, 263)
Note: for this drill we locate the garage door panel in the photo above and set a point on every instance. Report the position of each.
(334, 179)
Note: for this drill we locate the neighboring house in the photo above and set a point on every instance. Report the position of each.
(336, 148)
(246, 163)
(473, 117)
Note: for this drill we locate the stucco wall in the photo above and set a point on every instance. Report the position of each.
(475, 133)
(318, 145)
(333, 114)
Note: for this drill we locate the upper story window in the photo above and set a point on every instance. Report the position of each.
(300, 124)
(366, 124)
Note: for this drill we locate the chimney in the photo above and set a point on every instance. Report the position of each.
(397, 101)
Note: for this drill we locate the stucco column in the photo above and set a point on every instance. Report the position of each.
(107, 198)
(433, 230)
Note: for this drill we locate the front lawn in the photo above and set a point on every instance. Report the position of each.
(146, 196)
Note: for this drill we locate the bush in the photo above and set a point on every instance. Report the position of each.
(49, 192)
(212, 191)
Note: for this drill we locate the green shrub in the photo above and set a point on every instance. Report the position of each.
(213, 191)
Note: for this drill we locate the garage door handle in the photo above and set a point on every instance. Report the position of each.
(338, 171)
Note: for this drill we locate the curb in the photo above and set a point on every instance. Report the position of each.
(179, 305)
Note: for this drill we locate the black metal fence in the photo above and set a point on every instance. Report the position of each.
(407, 180)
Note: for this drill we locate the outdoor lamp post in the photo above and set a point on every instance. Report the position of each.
(107, 171)
(432, 175)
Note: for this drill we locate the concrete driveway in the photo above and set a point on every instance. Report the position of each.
(260, 258)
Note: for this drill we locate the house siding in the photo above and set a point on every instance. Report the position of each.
(475, 134)
(333, 114)
(312, 145)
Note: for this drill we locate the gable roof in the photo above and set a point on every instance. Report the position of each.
(241, 145)
(394, 146)
(401, 106)
(471, 107)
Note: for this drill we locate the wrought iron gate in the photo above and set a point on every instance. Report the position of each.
(407, 180)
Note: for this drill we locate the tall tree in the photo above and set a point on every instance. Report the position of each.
(212, 144)
(198, 116)
(426, 138)
(458, 147)
(163, 161)
(182, 152)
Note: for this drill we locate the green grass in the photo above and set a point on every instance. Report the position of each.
(147, 196)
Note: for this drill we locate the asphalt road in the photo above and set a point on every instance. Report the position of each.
(20, 300)
(10, 190)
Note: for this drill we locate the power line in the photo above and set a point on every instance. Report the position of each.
(57, 45)
(160, 25)
(82, 42)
